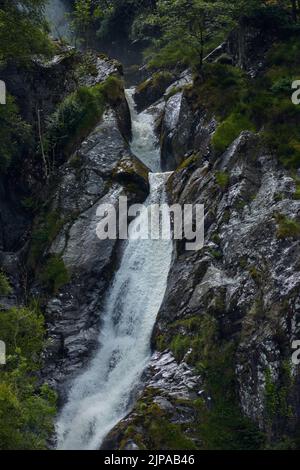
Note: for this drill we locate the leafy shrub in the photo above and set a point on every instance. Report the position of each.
(220, 90)
(23, 31)
(22, 329)
(26, 410)
(5, 288)
(55, 274)
(113, 89)
(229, 130)
(222, 179)
(287, 228)
(79, 113)
(74, 119)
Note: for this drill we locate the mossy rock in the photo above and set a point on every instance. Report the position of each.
(152, 89)
(133, 174)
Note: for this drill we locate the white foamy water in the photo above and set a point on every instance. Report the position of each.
(145, 144)
(102, 395)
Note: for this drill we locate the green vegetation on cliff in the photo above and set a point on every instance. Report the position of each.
(26, 408)
(23, 30)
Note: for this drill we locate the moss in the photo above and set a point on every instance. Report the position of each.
(217, 254)
(174, 90)
(188, 162)
(46, 229)
(76, 162)
(297, 191)
(158, 432)
(229, 130)
(287, 228)
(54, 274)
(226, 217)
(222, 178)
(158, 81)
(5, 287)
(219, 92)
(277, 393)
(254, 273)
(165, 435)
(179, 346)
(113, 89)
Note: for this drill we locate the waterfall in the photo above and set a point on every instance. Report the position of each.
(145, 144)
(104, 393)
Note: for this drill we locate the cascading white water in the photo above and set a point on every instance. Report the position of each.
(145, 144)
(104, 393)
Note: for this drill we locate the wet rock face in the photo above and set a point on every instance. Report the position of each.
(152, 89)
(183, 130)
(246, 276)
(98, 173)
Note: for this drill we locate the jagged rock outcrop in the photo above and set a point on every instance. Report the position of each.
(152, 89)
(247, 274)
(183, 130)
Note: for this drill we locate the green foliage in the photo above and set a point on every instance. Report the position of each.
(14, 134)
(83, 17)
(74, 118)
(46, 228)
(222, 178)
(277, 392)
(159, 80)
(23, 31)
(287, 228)
(5, 287)
(186, 28)
(297, 192)
(26, 411)
(165, 435)
(222, 426)
(78, 114)
(229, 130)
(262, 104)
(55, 274)
(220, 90)
(22, 330)
(158, 432)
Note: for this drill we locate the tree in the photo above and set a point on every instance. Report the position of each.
(187, 27)
(23, 30)
(84, 15)
(26, 410)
